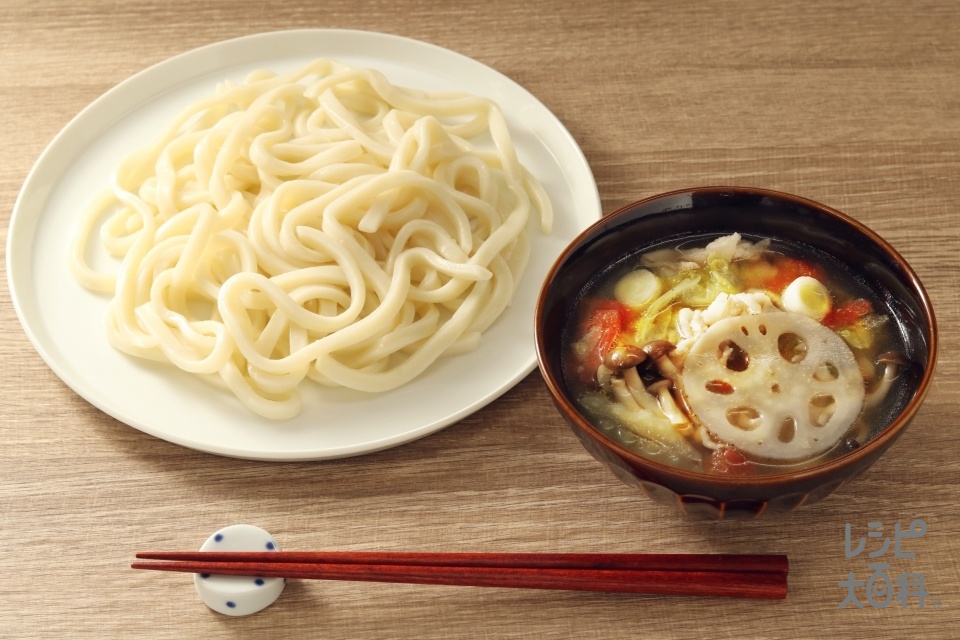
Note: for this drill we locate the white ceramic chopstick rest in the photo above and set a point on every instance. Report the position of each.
(239, 595)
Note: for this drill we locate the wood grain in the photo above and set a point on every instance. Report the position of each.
(853, 104)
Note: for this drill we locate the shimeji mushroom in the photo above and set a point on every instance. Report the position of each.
(627, 388)
(643, 396)
(620, 368)
(623, 357)
(622, 393)
(669, 407)
(659, 352)
(893, 364)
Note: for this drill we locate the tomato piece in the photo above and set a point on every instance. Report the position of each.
(608, 317)
(600, 328)
(609, 324)
(594, 308)
(845, 315)
(788, 270)
(728, 461)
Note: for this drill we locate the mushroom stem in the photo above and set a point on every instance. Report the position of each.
(893, 363)
(659, 351)
(603, 376)
(669, 407)
(635, 385)
(623, 394)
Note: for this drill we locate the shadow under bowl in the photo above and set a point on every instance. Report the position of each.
(670, 219)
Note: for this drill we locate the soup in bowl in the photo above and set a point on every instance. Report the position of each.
(734, 350)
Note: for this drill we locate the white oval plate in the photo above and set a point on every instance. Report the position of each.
(64, 321)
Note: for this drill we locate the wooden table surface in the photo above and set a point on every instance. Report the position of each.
(856, 105)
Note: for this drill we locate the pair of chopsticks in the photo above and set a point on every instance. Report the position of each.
(736, 576)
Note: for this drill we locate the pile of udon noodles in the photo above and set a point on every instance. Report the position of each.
(321, 224)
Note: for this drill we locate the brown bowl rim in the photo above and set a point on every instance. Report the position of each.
(879, 442)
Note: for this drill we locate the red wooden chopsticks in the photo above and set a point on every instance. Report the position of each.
(737, 576)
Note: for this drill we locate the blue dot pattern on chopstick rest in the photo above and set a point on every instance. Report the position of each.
(204, 575)
(239, 595)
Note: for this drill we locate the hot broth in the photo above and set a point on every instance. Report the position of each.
(735, 355)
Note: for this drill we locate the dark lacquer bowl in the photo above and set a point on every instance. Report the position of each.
(723, 210)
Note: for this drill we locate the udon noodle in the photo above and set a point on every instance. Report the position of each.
(320, 224)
